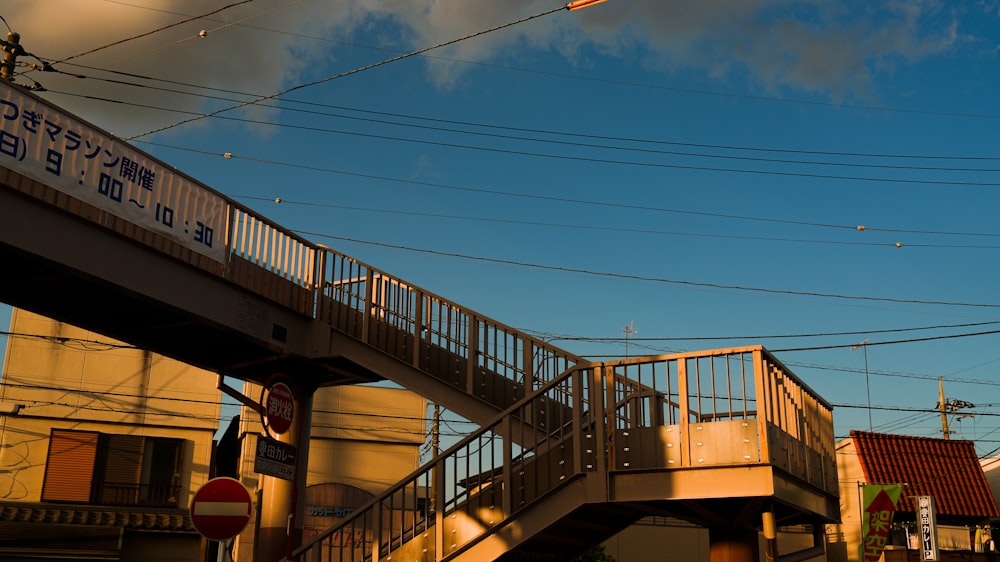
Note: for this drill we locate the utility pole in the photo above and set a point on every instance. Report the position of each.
(946, 406)
(944, 409)
(435, 449)
(11, 49)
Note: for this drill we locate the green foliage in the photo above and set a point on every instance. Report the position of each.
(595, 554)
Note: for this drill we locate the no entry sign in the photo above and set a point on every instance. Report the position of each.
(279, 410)
(221, 508)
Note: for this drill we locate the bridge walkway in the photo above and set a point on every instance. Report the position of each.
(564, 442)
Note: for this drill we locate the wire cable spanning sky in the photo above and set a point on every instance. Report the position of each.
(727, 168)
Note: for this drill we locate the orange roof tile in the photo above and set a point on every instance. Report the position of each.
(948, 470)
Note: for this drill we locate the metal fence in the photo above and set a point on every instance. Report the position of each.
(732, 407)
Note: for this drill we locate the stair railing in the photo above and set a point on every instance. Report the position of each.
(462, 495)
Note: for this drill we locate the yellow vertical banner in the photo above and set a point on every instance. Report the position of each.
(878, 503)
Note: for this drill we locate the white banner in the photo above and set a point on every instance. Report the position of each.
(41, 142)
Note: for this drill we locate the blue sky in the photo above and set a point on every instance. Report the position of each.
(695, 170)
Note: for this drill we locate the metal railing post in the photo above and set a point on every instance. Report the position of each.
(418, 330)
(366, 318)
(764, 400)
(472, 350)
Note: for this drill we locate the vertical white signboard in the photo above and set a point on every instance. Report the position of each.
(927, 521)
(39, 141)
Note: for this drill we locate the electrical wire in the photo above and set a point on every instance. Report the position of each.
(596, 228)
(839, 105)
(592, 227)
(555, 337)
(347, 73)
(148, 33)
(720, 215)
(651, 279)
(567, 157)
(82, 344)
(534, 196)
(579, 144)
(894, 342)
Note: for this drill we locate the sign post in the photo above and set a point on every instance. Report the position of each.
(279, 408)
(221, 509)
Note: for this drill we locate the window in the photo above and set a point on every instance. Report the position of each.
(102, 468)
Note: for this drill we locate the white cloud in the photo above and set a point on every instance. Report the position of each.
(824, 47)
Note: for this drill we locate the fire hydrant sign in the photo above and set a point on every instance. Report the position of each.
(274, 458)
(279, 408)
(221, 509)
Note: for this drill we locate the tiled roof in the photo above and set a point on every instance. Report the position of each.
(150, 519)
(948, 470)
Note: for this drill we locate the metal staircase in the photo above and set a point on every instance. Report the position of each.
(698, 436)
(569, 452)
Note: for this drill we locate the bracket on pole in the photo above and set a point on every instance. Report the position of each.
(248, 402)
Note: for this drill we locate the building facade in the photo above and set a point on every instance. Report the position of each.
(946, 470)
(102, 446)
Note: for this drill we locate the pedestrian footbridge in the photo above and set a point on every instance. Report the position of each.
(570, 451)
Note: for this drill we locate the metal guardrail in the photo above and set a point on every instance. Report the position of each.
(566, 417)
(434, 334)
(656, 413)
(717, 407)
(408, 322)
(129, 494)
(478, 483)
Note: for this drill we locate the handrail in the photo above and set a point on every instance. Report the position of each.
(461, 494)
(433, 333)
(488, 478)
(562, 417)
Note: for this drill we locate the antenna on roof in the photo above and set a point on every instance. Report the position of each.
(628, 331)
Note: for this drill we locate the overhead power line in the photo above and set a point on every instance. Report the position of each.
(352, 72)
(632, 230)
(555, 337)
(569, 157)
(893, 342)
(839, 105)
(641, 142)
(651, 279)
(148, 33)
(590, 202)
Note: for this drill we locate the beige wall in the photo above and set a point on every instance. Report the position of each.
(70, 378)
(845, 538)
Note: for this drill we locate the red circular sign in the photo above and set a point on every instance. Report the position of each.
(221, 508)
(279, 408)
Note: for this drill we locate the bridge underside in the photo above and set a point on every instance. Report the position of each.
(64, 260)
(74, 263)
(80, 272)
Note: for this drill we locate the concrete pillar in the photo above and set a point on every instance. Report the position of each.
(770, 533)
(283, 501)
(728, 544)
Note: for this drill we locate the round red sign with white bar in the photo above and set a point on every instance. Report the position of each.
(221, 508)
(279, 407)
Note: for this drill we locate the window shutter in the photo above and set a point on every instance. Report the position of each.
(69, 470)
(119, 484)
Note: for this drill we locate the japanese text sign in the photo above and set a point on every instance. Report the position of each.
(879, 503)
(47, 145)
